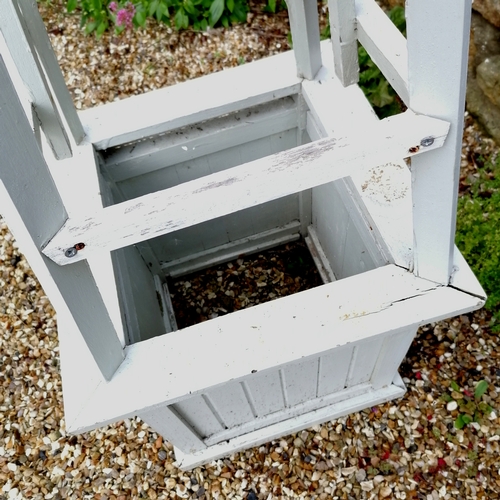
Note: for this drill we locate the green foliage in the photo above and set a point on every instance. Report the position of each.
(371, 80)
(97, 17)
(274, 6)
(478, 232)
(472, 408)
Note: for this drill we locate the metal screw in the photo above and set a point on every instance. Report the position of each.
(70, 252)
(427, 141)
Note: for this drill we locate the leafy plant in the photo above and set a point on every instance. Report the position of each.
(98, 15)
(478, 232)
(274, 6)
(471, 406)
(95, 15)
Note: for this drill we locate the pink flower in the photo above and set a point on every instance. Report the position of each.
(125, 16)
(113, 6)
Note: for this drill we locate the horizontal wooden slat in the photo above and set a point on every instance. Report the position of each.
(244, 186)
(385, 44)
(191, 102)
(192, 360)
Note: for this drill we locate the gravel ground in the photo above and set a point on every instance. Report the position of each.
(407, 449)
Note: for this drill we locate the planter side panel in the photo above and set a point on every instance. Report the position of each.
(263, 399)
(344, 233)
(140, 302)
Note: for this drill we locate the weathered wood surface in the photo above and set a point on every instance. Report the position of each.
(30, 47)
(384, 301)
(32, 207)
(385, 44)
(437, 57)
(244, 186)
(344, 40)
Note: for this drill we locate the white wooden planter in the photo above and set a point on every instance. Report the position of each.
(123, 195)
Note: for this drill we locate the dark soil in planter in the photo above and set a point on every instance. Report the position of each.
(244, 282)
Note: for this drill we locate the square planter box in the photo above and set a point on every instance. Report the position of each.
(229, 164)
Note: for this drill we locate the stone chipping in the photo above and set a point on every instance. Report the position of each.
(405, 449)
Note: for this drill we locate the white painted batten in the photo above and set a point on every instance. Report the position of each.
(191, 102)
(244, 186)
(187, 461)
(385, 44)
(304, 25)
(319, 257)
(342, 15)
(293, 411)
(384, 301)
(223, 253)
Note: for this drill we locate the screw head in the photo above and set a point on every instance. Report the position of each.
(427, 141)
(70, 252)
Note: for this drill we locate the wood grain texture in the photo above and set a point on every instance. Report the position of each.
(244, 186)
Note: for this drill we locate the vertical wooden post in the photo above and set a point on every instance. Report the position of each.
(30, 47)
(438, 37)
(344, 40)
(304, 24)
(34, 211)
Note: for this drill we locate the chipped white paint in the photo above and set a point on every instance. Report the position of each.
(244, 186)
